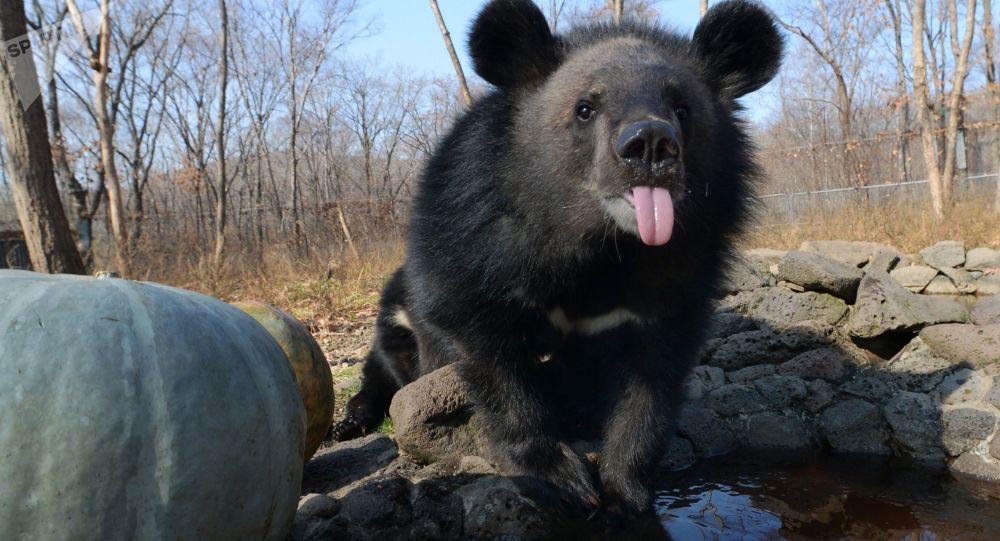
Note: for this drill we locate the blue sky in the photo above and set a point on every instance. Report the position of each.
(409, 36)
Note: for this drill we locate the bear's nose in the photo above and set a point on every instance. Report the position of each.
(650, 143)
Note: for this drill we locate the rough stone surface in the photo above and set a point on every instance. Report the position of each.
(855, 426)
(817, 272)
(706, 432)
(750, 373)
(976, 466)
(495, 509)
(982, 259)
(964, 428)
(993, 396)
(963, 385)
(734, 399)
(779, 392)
(679, 455)
(347, 462)
(871, 385)
(725, 324)
(917, 368)
(743, 275)
(830, 363)
(884, 306)
(916, 427)
(821, 395)
(975, 345)
(767, 346)
(431, 417)
(941, 285)
(885, 259)
(962, 280)
(782, 308)
(915, 277)
(854, 253)
(986, 311)
(946, 253)
(769, 430)
(765, 256)
(988, 284)
(703, 379)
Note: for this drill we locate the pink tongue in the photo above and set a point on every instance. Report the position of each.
(654, 214)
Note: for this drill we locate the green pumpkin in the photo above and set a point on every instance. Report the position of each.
(138, 411)
(312, 371)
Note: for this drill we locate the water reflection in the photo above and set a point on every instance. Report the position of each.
(779, 498)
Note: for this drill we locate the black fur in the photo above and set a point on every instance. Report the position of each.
(509, 242)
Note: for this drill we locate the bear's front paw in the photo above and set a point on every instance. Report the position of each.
(625, 500)
(566, 485)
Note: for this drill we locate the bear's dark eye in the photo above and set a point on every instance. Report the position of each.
(681, 112)
(584, 111)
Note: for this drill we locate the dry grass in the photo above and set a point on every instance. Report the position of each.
(906, 226)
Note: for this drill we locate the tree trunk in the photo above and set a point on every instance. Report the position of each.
(617, 11)
(903, 104)
(220, 139)
(463, 86)
(702, 7)
(106, 129)
(993, 87)
(46, 230)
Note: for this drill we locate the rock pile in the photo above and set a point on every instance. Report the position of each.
(843, 347)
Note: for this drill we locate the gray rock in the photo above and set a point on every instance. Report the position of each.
(884, 306)
(679, 455)
(831, 364)
(964, 428)
(855, 426)
(789, 285)
(495, 509)
(745, 276)
(917, 368)
(779, 392)
(963, 281)
(432, 417)
(854, 253)
(750, 373)
(765, 256)
(976, 345)
(702, 380)
(986, 311)
(993, 395)
(988, 284)
(734, 399)
(816, 272)
(870, 385)
(982, 259)
(316, 519)
(946, 253)
(725, 324)
(706, 432)
(963, 385)
(782, 308)
(916, 427)
(768, 347)
(941, 285)
(885, 259)
(346, 462)
(821, 395)
(769, 430)
(976, 466)
(915, 277)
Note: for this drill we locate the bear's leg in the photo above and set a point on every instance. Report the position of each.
(367, 409)
(505, 384)
(635, 439)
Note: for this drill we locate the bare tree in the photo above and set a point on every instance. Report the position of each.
(940, 174)
(220, 138)
(702, 7)
(462, 85)
(618, 10)
(902, 99)
(992, 87)
(46, 230)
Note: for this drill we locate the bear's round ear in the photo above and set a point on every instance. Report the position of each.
(511, 44)
(739, 46)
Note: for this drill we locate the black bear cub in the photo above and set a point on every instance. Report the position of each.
(568, 237)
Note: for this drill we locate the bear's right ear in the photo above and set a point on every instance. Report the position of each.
(739, 44)
(511, 44)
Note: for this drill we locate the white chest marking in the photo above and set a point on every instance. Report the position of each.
(595, 324)
(401, 319)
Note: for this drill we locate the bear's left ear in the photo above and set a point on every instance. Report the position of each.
(740, 47)
(511, 44)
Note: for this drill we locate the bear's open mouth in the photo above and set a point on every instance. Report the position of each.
(651, 216)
